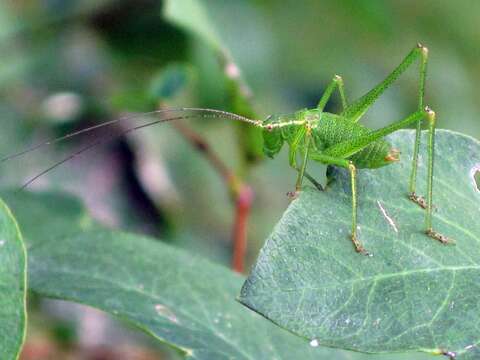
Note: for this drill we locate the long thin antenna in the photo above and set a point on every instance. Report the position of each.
(220, 113)
(211, 114)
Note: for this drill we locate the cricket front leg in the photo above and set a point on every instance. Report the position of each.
(301, 172)
(292, 159)
(329, 160)
(303, 166)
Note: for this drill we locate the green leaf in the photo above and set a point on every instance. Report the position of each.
(171, 82)
(12, 286)
(178, 298)
(192, 15)
(43, 216)
(414, 293)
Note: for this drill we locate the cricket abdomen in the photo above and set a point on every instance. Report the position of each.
(334, 129)
(375, 155)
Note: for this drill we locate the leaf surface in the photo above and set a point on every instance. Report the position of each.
(414, 294)
(178, 298)
(12, 286)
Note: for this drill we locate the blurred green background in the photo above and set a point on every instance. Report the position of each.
(65, 65)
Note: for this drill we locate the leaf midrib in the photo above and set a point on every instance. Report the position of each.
(374, 278)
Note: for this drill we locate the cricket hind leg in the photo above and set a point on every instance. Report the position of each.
(356, 110)
(419, 200)
(344, 150)
(431, 117)
(337, 82)
(329, 160)
(429, 203)
(359, 107)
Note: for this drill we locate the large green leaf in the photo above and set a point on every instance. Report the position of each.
(414, 293)
(178, 298)
(12, 286)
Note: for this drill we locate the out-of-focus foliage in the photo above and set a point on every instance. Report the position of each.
(69, 64)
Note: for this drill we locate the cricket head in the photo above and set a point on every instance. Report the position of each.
(278, 129)
(272, 135)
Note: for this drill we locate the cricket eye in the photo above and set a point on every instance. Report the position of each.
(269, 127)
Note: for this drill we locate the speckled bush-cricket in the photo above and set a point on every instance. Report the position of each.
(332, 139)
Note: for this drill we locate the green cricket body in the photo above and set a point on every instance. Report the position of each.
(339, 140)
(327, 130)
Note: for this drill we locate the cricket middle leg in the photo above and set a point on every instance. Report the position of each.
(330, 160)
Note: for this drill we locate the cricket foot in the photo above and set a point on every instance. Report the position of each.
(359, 247)
(292, 195)
(419, 200)
(439, 237)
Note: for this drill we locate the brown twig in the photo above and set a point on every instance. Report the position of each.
(241, 193)
(243, 205)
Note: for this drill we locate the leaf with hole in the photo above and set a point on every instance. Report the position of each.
(414, 294)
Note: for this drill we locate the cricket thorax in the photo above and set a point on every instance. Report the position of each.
(278, 129)
(292, 121)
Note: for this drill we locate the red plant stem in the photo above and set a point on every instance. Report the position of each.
(243, 204)
(241, 193)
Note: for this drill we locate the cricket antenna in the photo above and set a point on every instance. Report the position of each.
(199, 111)
(209, 113)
